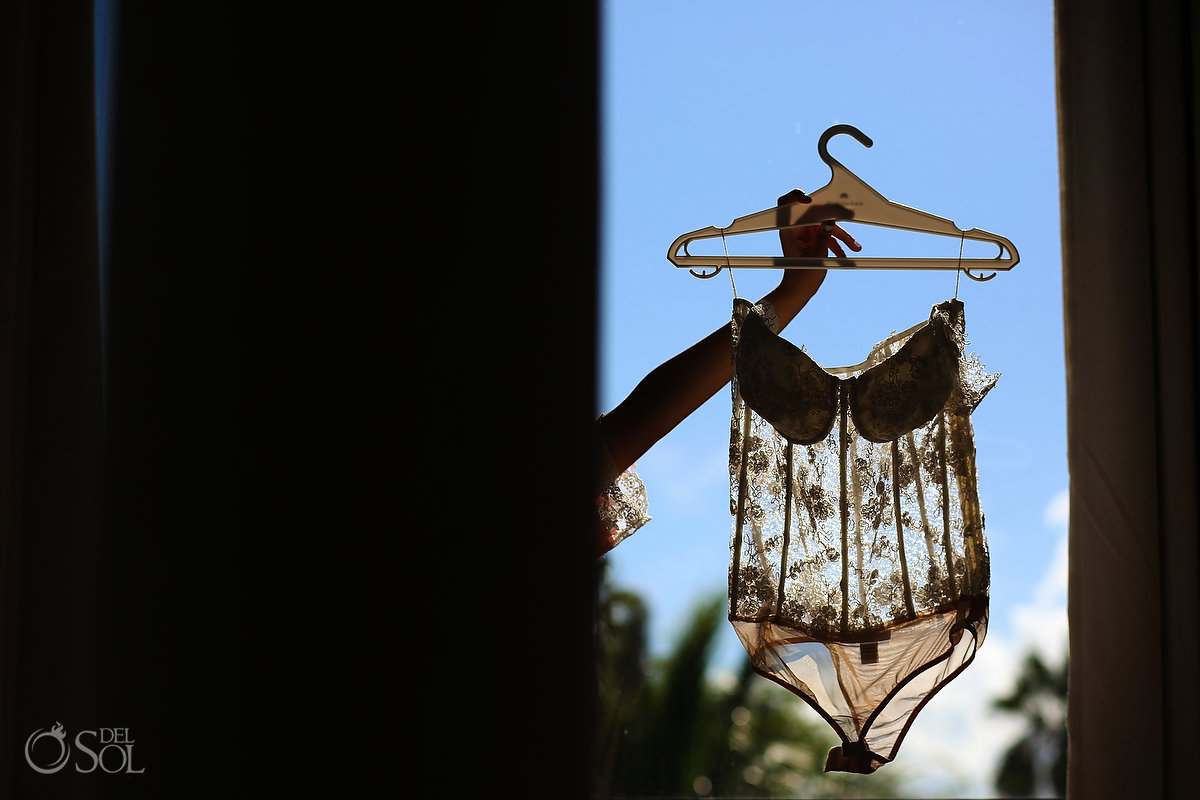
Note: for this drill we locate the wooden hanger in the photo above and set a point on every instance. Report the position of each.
(846, 198)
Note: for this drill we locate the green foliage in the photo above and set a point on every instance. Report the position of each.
(1037, 761)
(668, 728)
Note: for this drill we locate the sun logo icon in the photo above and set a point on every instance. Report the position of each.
(58, 734)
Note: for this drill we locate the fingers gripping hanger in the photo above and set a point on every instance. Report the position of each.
(846, 198)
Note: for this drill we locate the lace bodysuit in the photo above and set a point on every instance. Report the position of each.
(859, 571)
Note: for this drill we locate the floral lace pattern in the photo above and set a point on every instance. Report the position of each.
(855, 512)
(621, 503)
(622, 509)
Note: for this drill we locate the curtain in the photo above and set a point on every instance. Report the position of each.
(1127, 83)
(50, 413)
(120, 554)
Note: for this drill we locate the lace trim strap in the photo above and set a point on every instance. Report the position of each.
(768, 313)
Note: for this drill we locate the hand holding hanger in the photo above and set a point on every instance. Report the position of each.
(813, 241)
(678, 386)
(797, 286)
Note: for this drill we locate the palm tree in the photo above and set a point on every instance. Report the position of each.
(669, 729)
(1037, 761)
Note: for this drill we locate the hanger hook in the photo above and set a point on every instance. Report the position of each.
(981, 277)
(823, 143)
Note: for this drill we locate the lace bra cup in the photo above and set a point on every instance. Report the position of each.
(783, 384)
(905, 390)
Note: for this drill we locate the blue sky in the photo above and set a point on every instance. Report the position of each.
(712, 109)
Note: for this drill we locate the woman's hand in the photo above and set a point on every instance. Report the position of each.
(798, 286)
(813, 241)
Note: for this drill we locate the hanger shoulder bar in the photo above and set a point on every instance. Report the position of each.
(779, 262)
(680, 257)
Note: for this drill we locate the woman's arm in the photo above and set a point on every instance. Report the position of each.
(677, 387)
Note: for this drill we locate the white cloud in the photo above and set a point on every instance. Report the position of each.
(1042, 624)
(953, 746)
(1058, 511)
(956, 742)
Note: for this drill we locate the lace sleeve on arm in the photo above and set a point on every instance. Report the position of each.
(621, 506)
